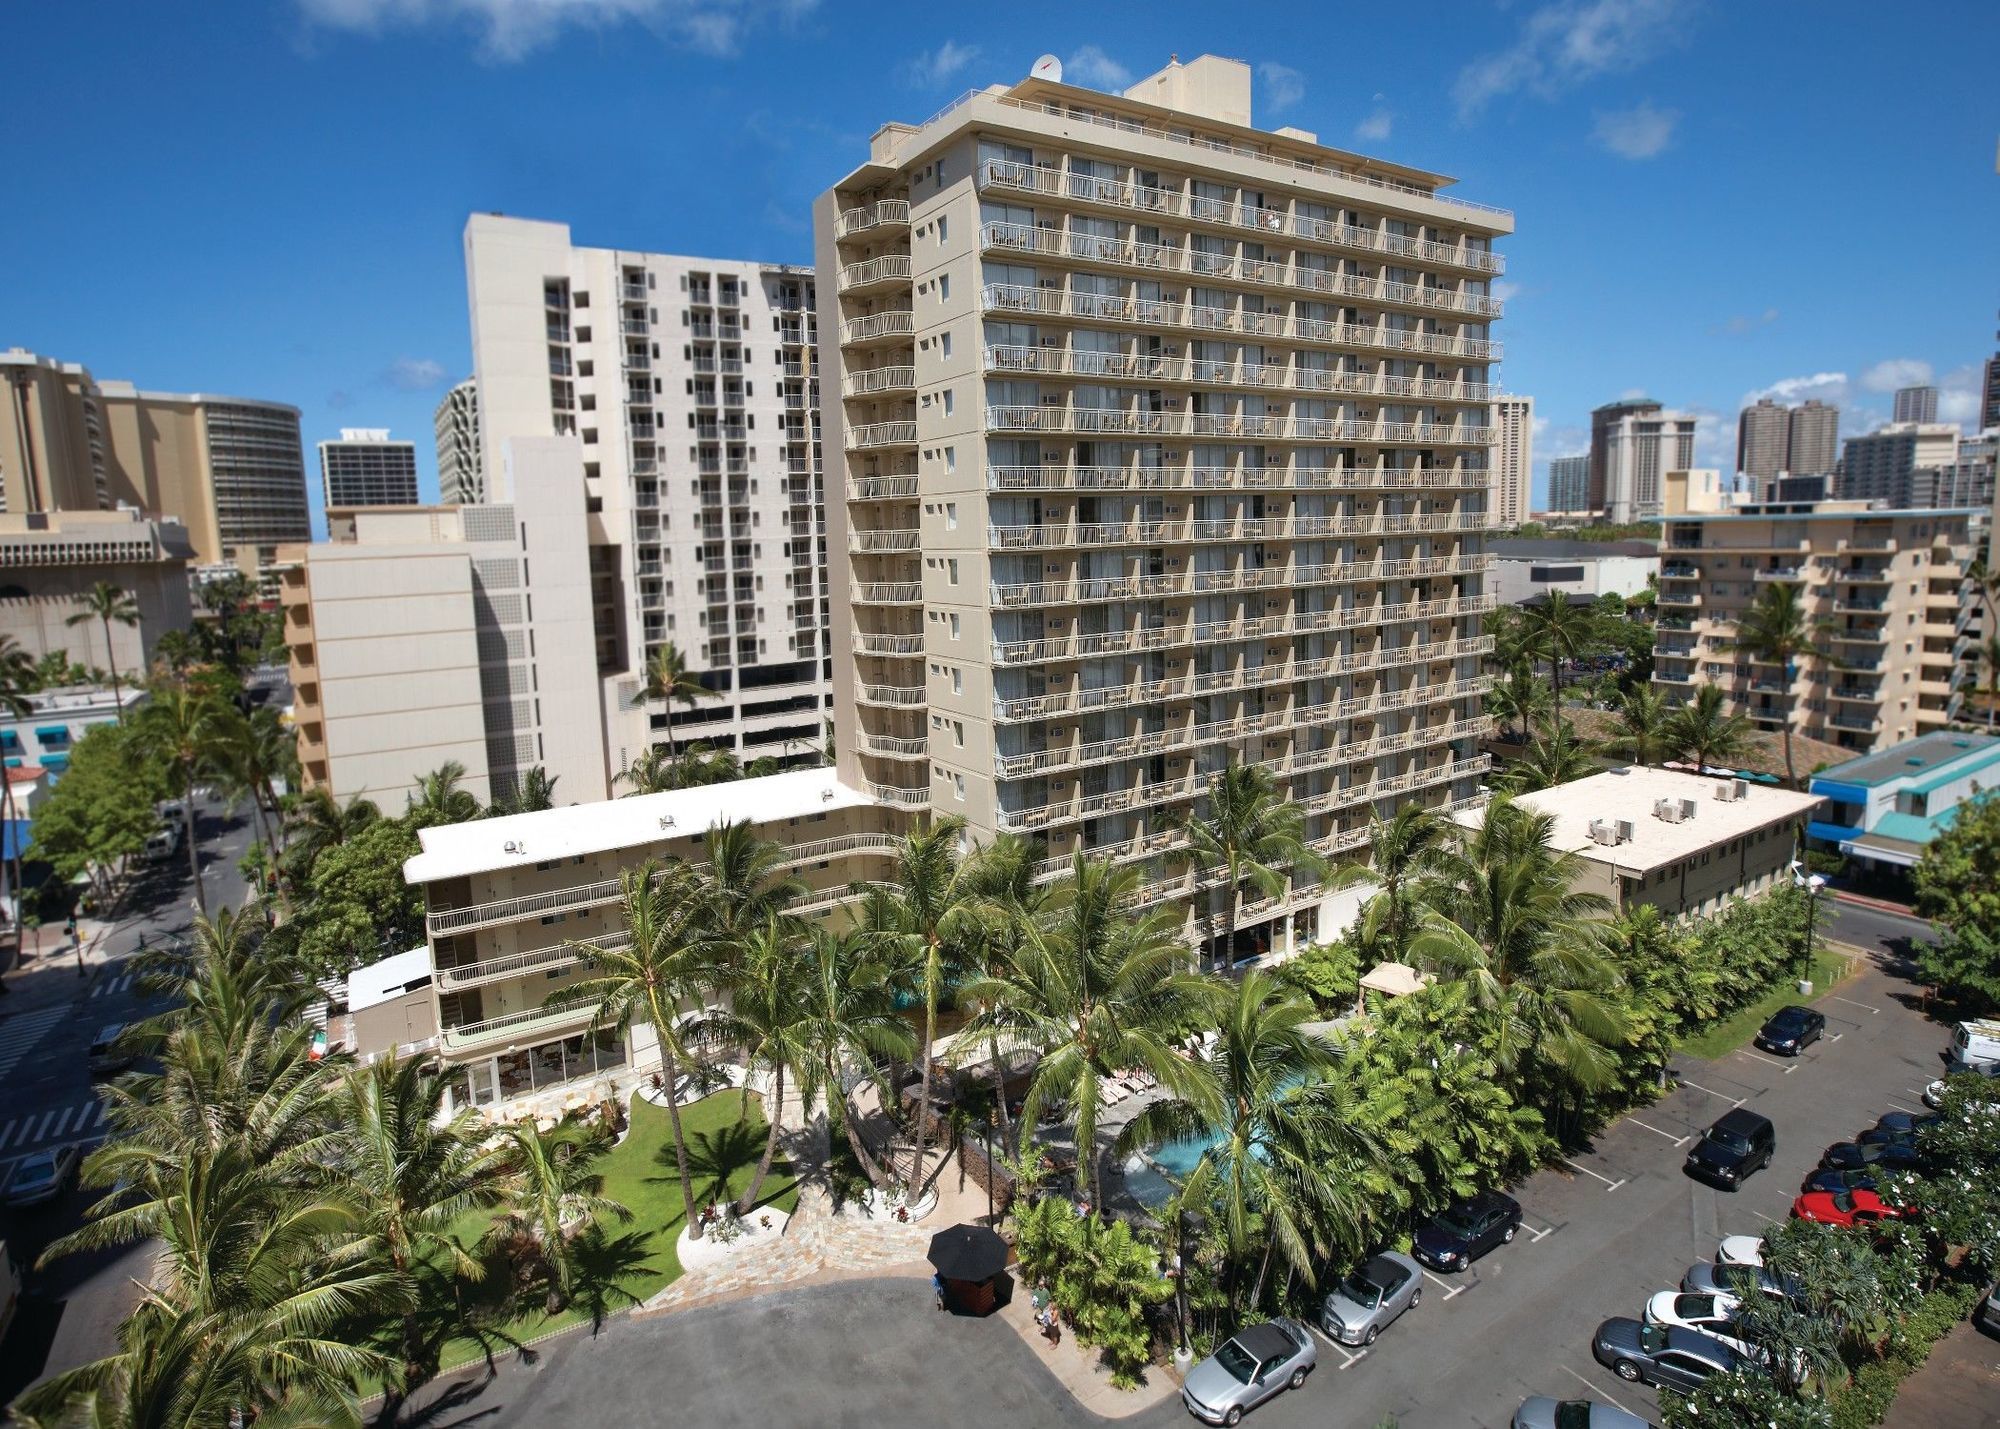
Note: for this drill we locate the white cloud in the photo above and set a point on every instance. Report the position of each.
(1633, 394)
(1375, 128)
(936, 67)
(1563, 44)
(1959, 393)
(1094, 69)
(1820, 386)
(1894, 372)
(414, 374)
(1283, 85)
(1714, 438)
(1506, 291)
(508, 30)
(1637, 133)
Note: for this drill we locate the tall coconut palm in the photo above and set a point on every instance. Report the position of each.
(441, 799)
(1643, 721)
(1401, 848)
(1006, 876)
(1559, 629)
(1243, 829)
(1989, 656)
(767, 1017)
(554, 1191)
(253, 753)
(185, 722)
(744, 877)
(317, 823)
(109, 605)
(1705, 733)
(670, 957)
(1282, 1151)
(1518, 699)
(1093, 987)
(671, 682)
(849, 1021)
(17, 682)
(922, 924)
(537, 791)
(1555, 756)
(650, 772)
(1779, 630)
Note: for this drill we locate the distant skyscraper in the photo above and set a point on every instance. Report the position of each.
(1632, 444)
(1813, 442)
(1989, 396)
(1916, 404)
(1513, 460)
(1569, 483)
(365, 468)
(461, 481)
(1763, 436)
(1879, 465)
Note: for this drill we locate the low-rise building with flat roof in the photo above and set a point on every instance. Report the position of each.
(1885, 808)
(1528, 570)
(1685, 843)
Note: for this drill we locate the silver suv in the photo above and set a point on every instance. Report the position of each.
(1248, 1369)
(1363, 1305)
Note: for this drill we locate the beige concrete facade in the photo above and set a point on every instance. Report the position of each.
(1889, 586)
(1513, 422)
(49, 561)
(1166, 444)
(1633, 445)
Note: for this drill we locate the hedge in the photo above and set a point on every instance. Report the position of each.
(1865, 1400)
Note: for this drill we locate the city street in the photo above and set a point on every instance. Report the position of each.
(70, 1312)
(1600, 1234)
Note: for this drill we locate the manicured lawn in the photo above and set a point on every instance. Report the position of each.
(1726, 1035)
(637, 1258)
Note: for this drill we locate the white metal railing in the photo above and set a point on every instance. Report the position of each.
(871, 743)
(899, 797)
(888, 212)
(889, 592)
(1140, 422)
(868, 644)
(1200, 478)
(1220, 632)
(888, 267)
(897, 322)
(880, 488)
(1027, 593)
(882, 434)
(870, 380)
(1222, 372)
(899, 695)
(889, 540)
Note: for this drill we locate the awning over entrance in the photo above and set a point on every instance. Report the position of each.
(1883, 849)
(1394, 979)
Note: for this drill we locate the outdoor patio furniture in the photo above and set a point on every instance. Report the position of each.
(970, 1260)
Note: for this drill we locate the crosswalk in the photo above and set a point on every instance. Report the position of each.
(49, 1125)
(112, 986)
(22, 1032)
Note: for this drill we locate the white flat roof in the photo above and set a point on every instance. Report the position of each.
(1629, 794)
(378, 982)
(478, 847)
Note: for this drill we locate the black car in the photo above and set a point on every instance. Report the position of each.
(1859, 1155)
(1739, 1143)
(1791, 1030)
(1887, 1136)
(1904, 1123)
(1856, 1179)
(1461, 1233)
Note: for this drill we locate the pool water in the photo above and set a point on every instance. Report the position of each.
(1178, 1158)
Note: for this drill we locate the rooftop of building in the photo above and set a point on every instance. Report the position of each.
(1516, 548)
(1628, 404)
(559, 231)
(391, 977)
(514, 840)
(1822, 511)
(1630, 795)
(1929, 759)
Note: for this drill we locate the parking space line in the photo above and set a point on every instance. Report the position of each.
(1789, 1067)
(1872, 1011)
(1587, 1384)
(1536, 1235)
(1336, 1346)
(1609, 1184)
(1733, 1101)
(1835, 1037)
(1449, 1289)
(1900, 1107)
(1677, 1140)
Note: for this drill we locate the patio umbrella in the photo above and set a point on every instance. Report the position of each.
(968, 1252)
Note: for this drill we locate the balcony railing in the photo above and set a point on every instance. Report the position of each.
(532, 1025)
(1186, 583)
(1115, 421)
(867, 644)
(873, 542)
(899, 696)
(880, 488)
(897, 322)
(1263, 478)
(869, 381)
(884, 213)
(889, 592)
(1207, 372)
(882, 434)
(889, 268)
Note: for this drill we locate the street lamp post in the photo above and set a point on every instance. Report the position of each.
(1812, 883)
(1186, 1221)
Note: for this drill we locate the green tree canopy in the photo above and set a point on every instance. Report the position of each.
(103, 809)
(1954, 879)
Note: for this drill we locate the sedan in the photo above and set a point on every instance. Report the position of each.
(1904, 1123)
(1678, 1309)
(1248, 1369)
(40, 1176)
(1460, 1234)
(1791, 1030)
(1541, 1412)
(1662, 1357)
(1857, 1155)
(1740, 1251)
(1369, 1300)
(1706, 1279)
(1846, 1208)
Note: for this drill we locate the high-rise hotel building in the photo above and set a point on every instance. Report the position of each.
(1166, 446)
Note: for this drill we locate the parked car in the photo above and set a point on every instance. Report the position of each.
(1368, 1301)
(1904, 1122)
(1248, 1369)
(1740, 1251)
(1460, 1234)
(1856, 1156)
(1791, 1030)
(1860, 1179)
(1706, 1279)
(1846, 1208)
(1987, 1316)
(1541, 1412)
(1740, 1143)
(106, 1056)
(1660, 1356)
(1934, 1091)
(1692, 1312)
(1887, 1136)
(40, 1176)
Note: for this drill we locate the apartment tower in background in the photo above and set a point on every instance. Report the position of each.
(1633, 444)
(1166, 447)
(1812, 439)
(1989, 395)
(1513, 422)
(1569, 485)
(1916, 404)
(1763, 439)
(461, 478)
(688, 388)
(1881, 465)
(366, 468)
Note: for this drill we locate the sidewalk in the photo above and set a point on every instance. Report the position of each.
(1958, 1387)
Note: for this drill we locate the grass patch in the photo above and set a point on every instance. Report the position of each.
(630, 1261)
(1726, 1034)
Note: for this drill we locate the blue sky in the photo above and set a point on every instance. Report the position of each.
(1714, 198)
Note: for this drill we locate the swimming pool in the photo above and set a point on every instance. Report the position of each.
(1178, 1158)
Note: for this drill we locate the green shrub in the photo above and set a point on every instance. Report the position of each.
(1864, 1401)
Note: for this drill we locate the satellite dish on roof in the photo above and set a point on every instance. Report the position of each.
(1048, 67)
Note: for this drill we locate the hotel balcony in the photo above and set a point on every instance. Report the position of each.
(1261, 478)
(1848, 720)
(1792, 574)
(1858, 694)
(1211, 373)
(884, 541)
(1183, 531)
(882, 434)
(881, 216)
(1220, 632)
(894, 325)
(1678, 597)
(1271, 577)
(872, 273)
(888, 593)
(514, 1028)
(881, 488)
(1116, 421)
(891, 696)
(872, 381)
(866, 643)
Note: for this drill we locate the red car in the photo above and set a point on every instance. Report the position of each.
(1846, 1208)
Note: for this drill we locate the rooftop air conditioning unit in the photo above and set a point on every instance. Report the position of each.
(1624, 831)
(1732, 791)
(1603, 831)
(1668, 810)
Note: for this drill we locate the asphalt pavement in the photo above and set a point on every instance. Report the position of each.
(1600, 1234)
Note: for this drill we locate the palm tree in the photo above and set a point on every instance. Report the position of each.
(1989, 655)
(440, 800)
(849, 1020)
(108, 604)
(1401, 848)
(1005, 876)
(554, 1190)
(185, 722)
(670, 956)
(316, 824)
(1283, 1146)
(1779, 630)
(1556, 756)
(651, 772)
(17, 682)
(1093, 987)
(1643, 722)
(1518, 700)
(744, 879)
(252, 753)
(670, 681)
(1246, 831)
(1560, 629)
(536, 792)
(922, 924)
(1703, 731)
(766, 1016)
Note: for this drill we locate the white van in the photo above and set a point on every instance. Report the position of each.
(164, 844)
(1975, 1046)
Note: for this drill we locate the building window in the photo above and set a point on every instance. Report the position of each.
(951, 516)
(958, 786)
(951, 570)
(954, 627)
(944, 344)
(944, 287)
(957, 681)
(950, 460)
